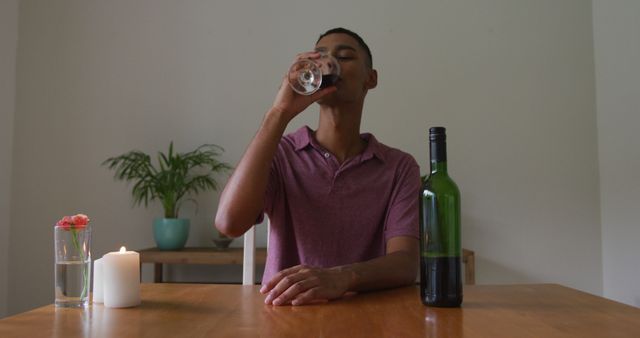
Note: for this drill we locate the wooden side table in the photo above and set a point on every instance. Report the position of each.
(469, 261)
(204, 255)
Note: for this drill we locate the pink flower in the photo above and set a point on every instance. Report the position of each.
(65, 222)
(78, 221)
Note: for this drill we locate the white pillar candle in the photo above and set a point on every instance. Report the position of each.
(121, 283)
(97, 281)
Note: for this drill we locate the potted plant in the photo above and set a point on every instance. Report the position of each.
(177, 176)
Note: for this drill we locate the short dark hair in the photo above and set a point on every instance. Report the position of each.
(340, 30)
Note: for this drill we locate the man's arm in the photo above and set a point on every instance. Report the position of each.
(242, 199)
(398, 267)
(304, 285)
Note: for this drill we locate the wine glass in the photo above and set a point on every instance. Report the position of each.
(307, 76)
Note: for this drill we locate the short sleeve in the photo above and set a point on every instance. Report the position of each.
(402, 213)
(272, 186)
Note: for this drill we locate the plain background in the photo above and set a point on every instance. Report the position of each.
(617, 55)
(540, 98)
(8, 45)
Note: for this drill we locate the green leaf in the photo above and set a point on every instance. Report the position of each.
(177, 175)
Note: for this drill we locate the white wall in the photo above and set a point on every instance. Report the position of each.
(617, 55)
(512, 80)
(8, 45)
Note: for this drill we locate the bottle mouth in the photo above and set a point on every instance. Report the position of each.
(437, 133)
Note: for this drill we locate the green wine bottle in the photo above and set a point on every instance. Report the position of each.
(440, 250)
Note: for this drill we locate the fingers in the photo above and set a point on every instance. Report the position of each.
(294, 290)
(307, 55)
(322, 92)
(291, 282)
(311, 296)
(279, 276)
(284, 285)
(301, 285)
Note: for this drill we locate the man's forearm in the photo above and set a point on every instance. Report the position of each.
(242, 199)
(302, 284)
(392, 270)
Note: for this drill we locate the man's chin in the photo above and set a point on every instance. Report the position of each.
(329, 100)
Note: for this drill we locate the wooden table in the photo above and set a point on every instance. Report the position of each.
(212, 256)
(208, 310)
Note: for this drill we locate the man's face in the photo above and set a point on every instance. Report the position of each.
(356, 78)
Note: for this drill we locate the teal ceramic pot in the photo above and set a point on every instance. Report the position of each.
(170, 233)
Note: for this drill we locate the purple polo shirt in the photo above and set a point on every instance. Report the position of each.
(327, 214)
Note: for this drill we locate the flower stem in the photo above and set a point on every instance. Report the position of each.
(85, 272)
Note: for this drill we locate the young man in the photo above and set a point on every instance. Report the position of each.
(343, 207)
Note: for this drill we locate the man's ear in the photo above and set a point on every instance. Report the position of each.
(372, 79)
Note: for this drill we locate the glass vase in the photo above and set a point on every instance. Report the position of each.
(72, 265)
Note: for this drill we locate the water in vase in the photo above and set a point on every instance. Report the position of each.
(72, 283)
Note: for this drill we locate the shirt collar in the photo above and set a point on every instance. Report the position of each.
(303, 138)
(374, 148)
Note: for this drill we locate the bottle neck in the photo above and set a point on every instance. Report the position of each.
(438, 155)
(438, 167)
